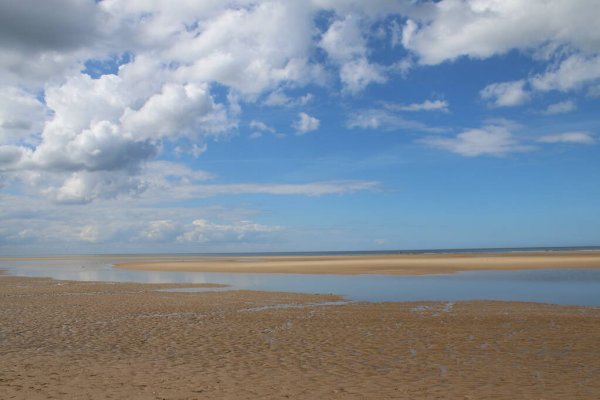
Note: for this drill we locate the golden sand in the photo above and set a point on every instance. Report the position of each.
(80, 340)
(402, 264)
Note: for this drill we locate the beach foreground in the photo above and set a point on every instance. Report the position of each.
(395, 264)
(83, 340)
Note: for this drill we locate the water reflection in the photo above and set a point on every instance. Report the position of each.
(570, 287)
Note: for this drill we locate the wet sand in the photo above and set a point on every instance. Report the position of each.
(402, 264)
(85, 340)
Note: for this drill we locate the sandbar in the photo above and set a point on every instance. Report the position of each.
(396, 264)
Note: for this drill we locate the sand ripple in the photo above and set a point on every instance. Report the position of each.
(75, 340)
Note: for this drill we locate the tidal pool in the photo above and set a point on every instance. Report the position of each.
(556, 286)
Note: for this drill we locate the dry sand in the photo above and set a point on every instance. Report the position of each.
(76, 340)
(402, 264)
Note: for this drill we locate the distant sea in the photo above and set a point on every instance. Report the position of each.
(497, 250)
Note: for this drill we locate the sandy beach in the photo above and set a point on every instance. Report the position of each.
(81, 340)
(401, 264)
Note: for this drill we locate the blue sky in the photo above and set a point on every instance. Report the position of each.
(295, 126)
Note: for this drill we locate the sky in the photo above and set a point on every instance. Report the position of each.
(249, 126)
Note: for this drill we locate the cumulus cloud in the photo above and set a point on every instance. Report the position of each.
(11, 156)
(176, 110)
(107, 124)
(243, 47)
(344, 39)
(22, 116)
(102, 147)
(480, 29)
(505, 94)
(164, 62)
(55, 25)
(493, 140)
(449, 29)
(346, 45)
(358, 74)
(83, 187)
(569, 137)
(305, 123)
(42, 41)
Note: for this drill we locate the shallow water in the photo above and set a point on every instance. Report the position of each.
(559, 286)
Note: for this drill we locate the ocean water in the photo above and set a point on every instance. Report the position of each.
(339, 253)
(495, 250)
(555, 286)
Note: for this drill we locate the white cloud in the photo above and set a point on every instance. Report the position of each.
(33, 25)
(160, 230)
(82, 187)
(11, 156)
(181, 183)
(357, 74)
(344, 39)
(506, 94)
(202, 231)
(569, 137)
(305, 123)
(449, 29)
(182, 187)
(102, 147)
(116, 123)
(121, 225)
(280, 98)
(402, 67)
(156, 171)
(493, 140)
(195, 149)
(44, 41)
(166, 60)
(261, 126)
(91, 234)
(21, 116)
(556, 31)
(177, 52)
(560, 107)
(301, 189)
(385, 120)
(243, 47)
(346, 46)
(182, 110)
(572, 73)
(427, 105)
